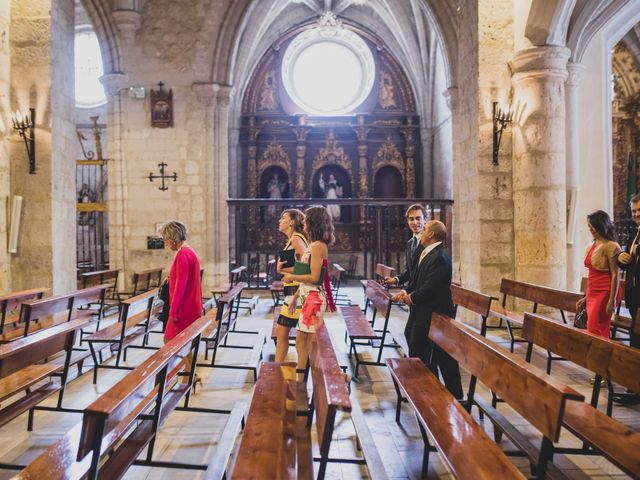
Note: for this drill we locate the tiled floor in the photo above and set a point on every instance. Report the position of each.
(191, 437)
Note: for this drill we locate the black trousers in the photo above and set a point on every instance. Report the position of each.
(439, 361)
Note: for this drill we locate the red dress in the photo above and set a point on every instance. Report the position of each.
(598, 288)
(185, 292)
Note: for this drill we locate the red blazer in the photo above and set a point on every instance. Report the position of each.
(185, 292)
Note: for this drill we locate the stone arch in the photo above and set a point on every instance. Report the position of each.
(102, 22)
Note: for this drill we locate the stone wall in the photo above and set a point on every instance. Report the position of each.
(6, 131)
(42, 77)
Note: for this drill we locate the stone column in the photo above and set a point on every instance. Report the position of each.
(574, 249)
(6, 131)
(116, 167)
(252, 150)
(539, 169)
(301, 133)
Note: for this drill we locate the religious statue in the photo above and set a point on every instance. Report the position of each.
(332, 190)
(275, 189)
(268, 94)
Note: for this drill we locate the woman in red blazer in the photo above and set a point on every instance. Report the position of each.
(185, 290)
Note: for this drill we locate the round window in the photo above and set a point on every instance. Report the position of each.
(328, 70)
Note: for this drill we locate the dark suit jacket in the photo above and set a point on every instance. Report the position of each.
(632, 279)
(410, 263)
(430, 288)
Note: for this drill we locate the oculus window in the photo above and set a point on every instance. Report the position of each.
(88, 70)
(328, 70)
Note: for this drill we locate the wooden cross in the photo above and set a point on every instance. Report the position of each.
(162, 176)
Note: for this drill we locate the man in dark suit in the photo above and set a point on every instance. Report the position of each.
(629, 260)
(430, 291)
(416, 216)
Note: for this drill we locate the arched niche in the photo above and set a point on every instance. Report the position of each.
(336, 183)
(387, 183)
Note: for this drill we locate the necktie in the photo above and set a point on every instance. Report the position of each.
(414, 247)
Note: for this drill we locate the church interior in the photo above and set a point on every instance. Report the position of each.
(510, 122)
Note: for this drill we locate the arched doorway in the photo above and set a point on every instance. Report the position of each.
(388, 183)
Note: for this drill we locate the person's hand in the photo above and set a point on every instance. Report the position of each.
(286, 278)
(292, 306)
(624, 258)
(279, 265)
(407, 300)
(389, 280)
(580, 303)
(399, 297)
(610, 307)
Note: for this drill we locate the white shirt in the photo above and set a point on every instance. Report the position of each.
(427, 250)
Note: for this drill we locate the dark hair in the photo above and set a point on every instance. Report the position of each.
(319, 225)
(416, 206)
(635, 198)
(601, 223)
(298, 219)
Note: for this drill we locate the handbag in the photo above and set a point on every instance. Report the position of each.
(580, 320)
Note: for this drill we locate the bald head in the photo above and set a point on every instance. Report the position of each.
(434, 231)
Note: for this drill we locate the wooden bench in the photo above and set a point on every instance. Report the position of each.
(352, 266)
(561, 300)
(10, 304)
(22, 371)
(335, 276)
(224, 323)
(330, 395)
(141, 282)
(610, 360)
(473, 301)
(269, 446)
(466, 449)
(359, 327)
(137, 318)
(380, 273)
(235, 276)
(534, 395)
(90, 279)
(124, 421)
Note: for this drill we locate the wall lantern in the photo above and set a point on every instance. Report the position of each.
(24, 125)
(500, 121)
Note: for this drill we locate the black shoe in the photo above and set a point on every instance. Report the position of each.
(628, 398)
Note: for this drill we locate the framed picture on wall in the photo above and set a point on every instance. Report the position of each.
(161, 107)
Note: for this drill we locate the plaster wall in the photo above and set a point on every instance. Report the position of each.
(6, 131)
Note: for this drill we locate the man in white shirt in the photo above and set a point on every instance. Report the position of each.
(416, 216)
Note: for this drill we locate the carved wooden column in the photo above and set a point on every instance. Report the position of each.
(301, 149)
(410, 150)
(252, 170)
(363, 180)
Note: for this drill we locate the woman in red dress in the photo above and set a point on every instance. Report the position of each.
(185, 290)
(603, 281)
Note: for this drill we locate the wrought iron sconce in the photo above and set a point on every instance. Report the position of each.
(24, 123)
(500, 121)
(163, 177)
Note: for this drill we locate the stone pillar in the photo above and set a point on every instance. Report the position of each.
(116, 167)
(47, 242)
(574, 249)
(6, 131)
(301, 133)
(539, 170)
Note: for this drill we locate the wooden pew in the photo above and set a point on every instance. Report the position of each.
(617, 363)
(224, 323)
(330, 395)
(380, 273)
(22, 370)
(473, 301)
(561, 300)
(464, 446)
(90, 279)
(142, 281)
(10, 304)
(268, 448)
(335, 275)
(120, 424)
(137, 318)
(537, 397)
(235, 276)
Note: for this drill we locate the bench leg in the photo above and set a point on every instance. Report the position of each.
(30, 420)
(322, 469)
(425, 456)
(609, 396)
(398, 401)
(546, 455)
(95, 362)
